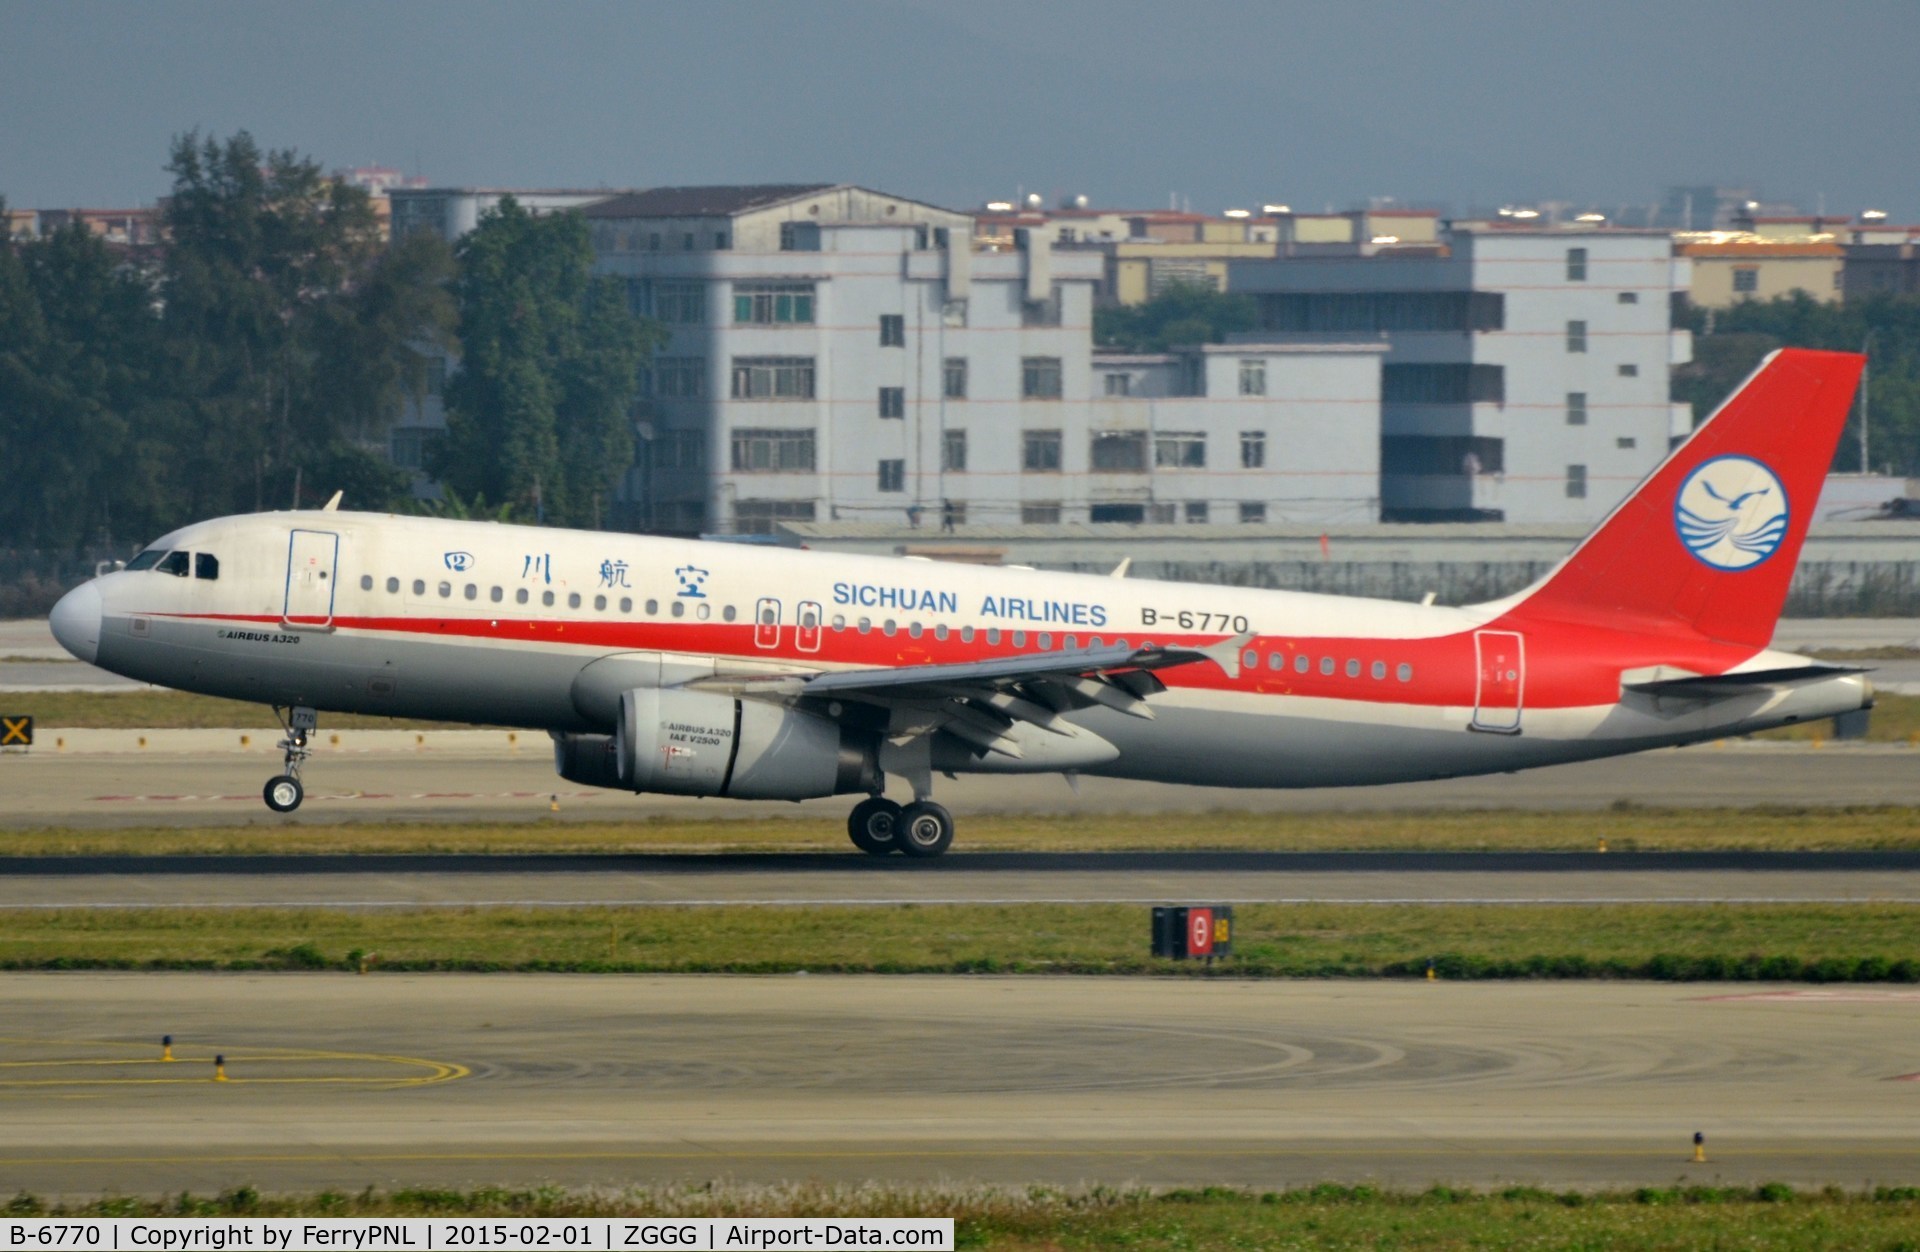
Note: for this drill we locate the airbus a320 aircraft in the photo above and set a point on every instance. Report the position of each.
(714, 669)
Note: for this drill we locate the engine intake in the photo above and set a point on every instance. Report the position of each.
(674, 741)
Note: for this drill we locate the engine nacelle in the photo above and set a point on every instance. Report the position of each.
(697, 743)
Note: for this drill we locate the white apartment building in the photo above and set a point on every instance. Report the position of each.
(841, 354)
(1527, 370)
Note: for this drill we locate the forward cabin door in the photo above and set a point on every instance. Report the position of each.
(1502, 658)
(311, 559)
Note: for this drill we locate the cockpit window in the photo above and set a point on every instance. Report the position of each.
(206, 565)
(148, 559)
(174, 563)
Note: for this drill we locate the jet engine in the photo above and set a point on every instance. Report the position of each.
(676, 741)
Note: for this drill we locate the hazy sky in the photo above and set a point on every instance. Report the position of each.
(1126, 101)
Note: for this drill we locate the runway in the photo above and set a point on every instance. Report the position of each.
(653, 880)
(344, 1082)
(220, 785)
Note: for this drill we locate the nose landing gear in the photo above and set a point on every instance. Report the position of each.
(283, 792)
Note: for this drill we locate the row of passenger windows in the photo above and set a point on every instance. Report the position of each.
(1302, 664)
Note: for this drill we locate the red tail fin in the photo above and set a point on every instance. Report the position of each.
(1711, 538)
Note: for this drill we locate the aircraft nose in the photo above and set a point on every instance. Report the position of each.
(76, 621)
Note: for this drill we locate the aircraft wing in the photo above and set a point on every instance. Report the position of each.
(978, 700)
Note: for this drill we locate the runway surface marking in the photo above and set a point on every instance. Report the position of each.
(1824, 995)
(179, 1067)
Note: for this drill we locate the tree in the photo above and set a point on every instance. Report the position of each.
(288, 326)
(539, 414)
(1184, 313)
(1888, 327)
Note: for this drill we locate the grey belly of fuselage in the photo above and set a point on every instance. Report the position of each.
(1246, 742)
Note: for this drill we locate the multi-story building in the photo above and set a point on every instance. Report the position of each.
(839, 353)
(1526, 376)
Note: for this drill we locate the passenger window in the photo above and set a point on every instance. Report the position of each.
(546, 598)
(1301, 664)
(146, 560)
(913, 629)
(966, 634)
(599, 604)
(393, 586)
(472, 592)
(940, 632)
(839, 621)
(573, 599)
(1276, 661)
(703, 612)
(1019, 638)
(679, 608)
(1072, 642)
(175, 564)
(446, 590)
(1379, 669)
(653, 608)
(1353, 669)
(496, 595)
(1046, 641)
(993, 634)
(1326, 665)
(419, 586)
(889, 627)
(1404, 673)
(866, 625)
(366, 582)
(729, 613)
(626, 604)
(1251, 660)
(520, 596)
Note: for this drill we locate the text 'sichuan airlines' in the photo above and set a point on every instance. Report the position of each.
(714, 669)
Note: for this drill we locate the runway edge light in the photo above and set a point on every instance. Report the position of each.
(166, 1047)
(1699, 1146)
(220, 1068)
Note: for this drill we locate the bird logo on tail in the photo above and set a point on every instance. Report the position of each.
(1731, 513)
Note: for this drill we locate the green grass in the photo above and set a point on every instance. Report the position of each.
(1818, 943)
(1771, 1216)
(1625, 828)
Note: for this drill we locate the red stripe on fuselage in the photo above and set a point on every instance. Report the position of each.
(1568, 665)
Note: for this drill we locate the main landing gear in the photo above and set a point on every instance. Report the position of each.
(283, 792)
(878, 826)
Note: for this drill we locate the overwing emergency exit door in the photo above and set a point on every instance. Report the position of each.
(1502, 658)
(766, 624)
(311, 558)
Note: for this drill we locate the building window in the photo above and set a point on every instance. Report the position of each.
(953, 451)
(1040, 377)
(1628, 297)
(773, 304)
(1253, 511)
(1129, 514)
(1626, 441)
(1576, 408)
(720, 241)
(1576, 336)
(1746, 279)
(680, 377)
(893, 402)
(1163, 513)
(1040, 452)
(1180, 449)
(1119, 451)
(680, 450)
(1443, 384)
(758, 517)
(1576, 265)
(1253, 378)
(1576, 482)
(1041, 312)
(773, 378)
(893, 330)
(954, 378)
(1253, 449)
(772, 451)
(1196, 511)
(1629, 371)
(1119, 384)
(686, 241)
(1040, 513)
(406, 446)
(893, 475)
(682, 303)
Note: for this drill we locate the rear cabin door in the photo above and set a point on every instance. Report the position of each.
(1502, 657)
(806, 634)
(311, 559)
(766, 624)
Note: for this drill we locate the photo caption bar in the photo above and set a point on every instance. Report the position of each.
(430, 1234)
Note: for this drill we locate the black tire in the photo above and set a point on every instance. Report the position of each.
(925, 829)
(873, 825)
(283, 794)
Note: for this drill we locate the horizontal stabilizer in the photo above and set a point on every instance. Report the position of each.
(1712, 686)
